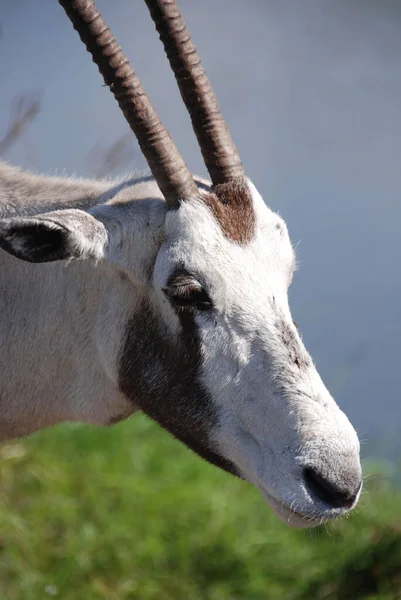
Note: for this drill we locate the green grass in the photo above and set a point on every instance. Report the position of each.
(129, 513)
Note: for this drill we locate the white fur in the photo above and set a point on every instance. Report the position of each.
(271, 422)
(62, 328)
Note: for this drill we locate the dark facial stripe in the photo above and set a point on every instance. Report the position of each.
(161, 376)
(232, 206)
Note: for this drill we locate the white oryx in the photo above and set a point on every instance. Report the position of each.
(168, 295)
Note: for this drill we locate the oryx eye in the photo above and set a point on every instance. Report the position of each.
(185, 292)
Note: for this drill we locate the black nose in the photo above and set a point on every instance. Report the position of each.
(337, 494)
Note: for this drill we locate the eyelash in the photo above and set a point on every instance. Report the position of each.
(188, 297)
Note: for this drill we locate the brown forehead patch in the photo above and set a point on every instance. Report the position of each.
(232, 206)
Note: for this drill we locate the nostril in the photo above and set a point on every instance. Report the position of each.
(328, 492)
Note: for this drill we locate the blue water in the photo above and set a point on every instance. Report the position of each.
(312, 94)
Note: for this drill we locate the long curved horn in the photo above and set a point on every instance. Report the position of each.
(218, 149)
(166, 163)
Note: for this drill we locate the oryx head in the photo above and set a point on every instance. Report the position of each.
(223, 365)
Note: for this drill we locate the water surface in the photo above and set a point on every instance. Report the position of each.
(312, 94)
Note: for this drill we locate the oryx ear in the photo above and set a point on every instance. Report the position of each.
(59, 235)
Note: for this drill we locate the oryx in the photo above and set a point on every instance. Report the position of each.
(167, 294)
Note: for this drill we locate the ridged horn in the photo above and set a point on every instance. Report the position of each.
(166, 163)
(217, 146)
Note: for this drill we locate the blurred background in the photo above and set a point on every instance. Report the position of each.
(312, 94)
